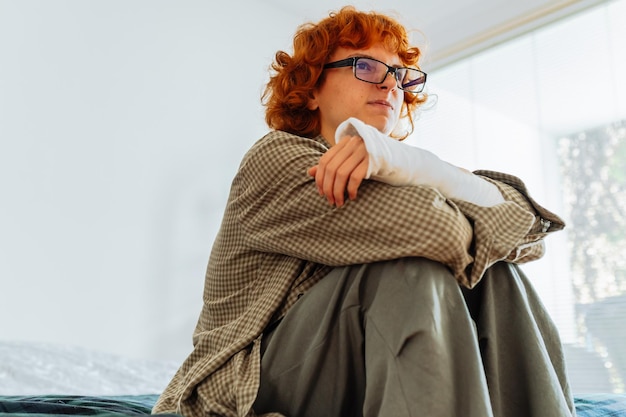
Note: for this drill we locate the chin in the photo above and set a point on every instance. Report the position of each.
(383, 126)
(384, 122)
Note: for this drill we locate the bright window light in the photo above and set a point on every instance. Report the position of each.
(550, 107)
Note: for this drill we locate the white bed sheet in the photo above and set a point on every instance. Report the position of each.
(28, 368)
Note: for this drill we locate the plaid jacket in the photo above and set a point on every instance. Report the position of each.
(279, 237)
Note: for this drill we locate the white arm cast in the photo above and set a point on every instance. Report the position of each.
(397, 163)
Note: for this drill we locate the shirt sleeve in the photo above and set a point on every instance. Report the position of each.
(513, 231)
(280, 211)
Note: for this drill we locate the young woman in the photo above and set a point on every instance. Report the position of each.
(354, 275)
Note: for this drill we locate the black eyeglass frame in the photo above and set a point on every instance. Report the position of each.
(352, 61)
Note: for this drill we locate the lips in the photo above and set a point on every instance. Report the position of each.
(382, 103)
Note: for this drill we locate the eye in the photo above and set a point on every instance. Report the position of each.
(365, 65)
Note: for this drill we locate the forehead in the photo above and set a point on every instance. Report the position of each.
(378, 52)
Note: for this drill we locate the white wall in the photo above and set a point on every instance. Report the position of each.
(121, 125)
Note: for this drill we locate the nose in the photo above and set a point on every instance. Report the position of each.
(390, 81)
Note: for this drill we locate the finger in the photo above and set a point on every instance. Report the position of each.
(321, 174)
(343, 177)
(313, 172)
(326, 169)
(357, 177)
(349, 178)
(348, 160)
(336, 166)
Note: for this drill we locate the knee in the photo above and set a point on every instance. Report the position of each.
(413, 296)
(419, 277)
(403, 288)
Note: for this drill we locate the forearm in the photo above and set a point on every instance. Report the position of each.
(507, 223)
(281, 211)
(399, 164)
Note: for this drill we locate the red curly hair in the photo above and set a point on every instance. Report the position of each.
(295, 77)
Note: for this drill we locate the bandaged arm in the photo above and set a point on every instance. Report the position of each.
(397, 163)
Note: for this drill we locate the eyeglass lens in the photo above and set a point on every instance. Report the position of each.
(373, 71)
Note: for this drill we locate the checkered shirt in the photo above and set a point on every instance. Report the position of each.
(279, 237)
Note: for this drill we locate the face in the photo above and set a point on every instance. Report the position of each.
(341, 95)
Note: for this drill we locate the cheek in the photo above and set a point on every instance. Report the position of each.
(399, 102)
(397, 108)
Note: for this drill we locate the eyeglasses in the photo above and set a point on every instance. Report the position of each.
(374, 71)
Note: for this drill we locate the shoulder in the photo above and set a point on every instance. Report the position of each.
(279, 147)
(278, 159)
(285, 142)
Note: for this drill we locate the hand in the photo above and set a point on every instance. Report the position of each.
(342, 168)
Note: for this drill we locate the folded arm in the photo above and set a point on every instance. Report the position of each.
(280, 212)
(362, 152)
(508, 224)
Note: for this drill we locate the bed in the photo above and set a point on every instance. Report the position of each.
(50, 380)
(40, 380)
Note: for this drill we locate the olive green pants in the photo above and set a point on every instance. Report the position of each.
(401, 338)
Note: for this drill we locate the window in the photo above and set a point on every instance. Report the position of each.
(550, 107)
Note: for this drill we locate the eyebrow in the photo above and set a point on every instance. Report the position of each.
(371, 57)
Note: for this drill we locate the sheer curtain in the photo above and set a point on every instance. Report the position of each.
(550, 107)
